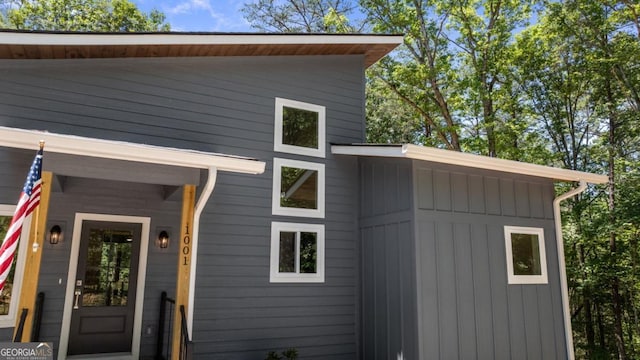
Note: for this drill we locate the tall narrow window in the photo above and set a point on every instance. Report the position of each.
(297, 252)
(299, 128)
(526, 259)
(298, 188)
(11, 293)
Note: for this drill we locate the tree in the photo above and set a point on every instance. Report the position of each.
(579, 73)
(83, 15)
(300, 16)
(454, 69)
(421, 72)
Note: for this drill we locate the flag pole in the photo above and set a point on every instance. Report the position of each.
(35, 246)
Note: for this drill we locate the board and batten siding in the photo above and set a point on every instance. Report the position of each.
(389, 323)
(466, 308)
(434, 266)
(224, 105)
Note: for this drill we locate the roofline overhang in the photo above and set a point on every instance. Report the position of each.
(417, 152)
(20, 45)
(121, 150)
(189, 38)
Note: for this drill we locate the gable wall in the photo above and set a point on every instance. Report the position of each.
(223, 105)
(466, 308)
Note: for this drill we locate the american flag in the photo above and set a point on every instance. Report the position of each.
(29, 200)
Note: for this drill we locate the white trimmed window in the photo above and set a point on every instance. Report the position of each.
(10, 296)
(299, 128)
(297, 252)
(526, 259)
(298, 188)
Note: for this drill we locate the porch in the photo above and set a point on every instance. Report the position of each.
(94, 189)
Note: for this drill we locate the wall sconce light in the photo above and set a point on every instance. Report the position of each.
(55, 234)
(163, 240)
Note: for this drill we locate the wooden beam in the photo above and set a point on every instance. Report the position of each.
(184, 264)
(32, 264)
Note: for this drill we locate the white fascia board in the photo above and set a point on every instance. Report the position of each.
(14, 38)
(120, 150)
(469, 160)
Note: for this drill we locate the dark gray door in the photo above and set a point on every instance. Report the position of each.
(105, 289)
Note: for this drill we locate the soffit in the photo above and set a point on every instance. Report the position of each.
(46, 45)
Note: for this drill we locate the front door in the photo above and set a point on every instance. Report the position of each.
(105, 288)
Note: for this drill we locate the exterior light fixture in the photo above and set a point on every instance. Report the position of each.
(55, 234)
(163, 240)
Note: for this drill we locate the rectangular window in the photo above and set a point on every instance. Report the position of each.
(10, 295)
(297, 252)
(299, 128)
(526, 259)
(298, 188)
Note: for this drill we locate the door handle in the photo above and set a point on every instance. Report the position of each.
(77, 293)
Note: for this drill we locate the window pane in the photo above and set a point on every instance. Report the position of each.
(287, 262)
(299, 127)
(526, 254)
(308, 251)
(299, 188)
(106, 281)
(5, 298)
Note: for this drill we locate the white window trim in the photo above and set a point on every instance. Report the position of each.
(300, 150)
(9, 320)
(278, 277)
(278, 163)
(526, 279)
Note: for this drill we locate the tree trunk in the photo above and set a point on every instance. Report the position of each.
(591, 336)
(615, 281)
(601, 330)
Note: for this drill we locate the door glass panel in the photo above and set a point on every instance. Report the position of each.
(106, 280)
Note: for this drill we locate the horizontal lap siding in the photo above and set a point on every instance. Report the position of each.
(388, 270)
(224, 105)
(467, 310)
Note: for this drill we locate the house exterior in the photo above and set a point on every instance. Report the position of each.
(205, 166)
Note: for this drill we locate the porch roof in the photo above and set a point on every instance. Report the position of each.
(71, 45)
(120, 150)
(469, 160)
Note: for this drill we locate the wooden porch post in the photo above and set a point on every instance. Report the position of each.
(184, 264)
(32, 264)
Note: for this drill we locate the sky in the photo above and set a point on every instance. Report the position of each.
(200, 15)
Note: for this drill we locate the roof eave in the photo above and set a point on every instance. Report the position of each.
(120, 150)
(468, 160)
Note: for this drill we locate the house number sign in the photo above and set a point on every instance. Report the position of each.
(186, 246)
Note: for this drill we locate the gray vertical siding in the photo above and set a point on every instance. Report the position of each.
(388, 261)
(440, 253)
(224, 105)
(466, 308)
